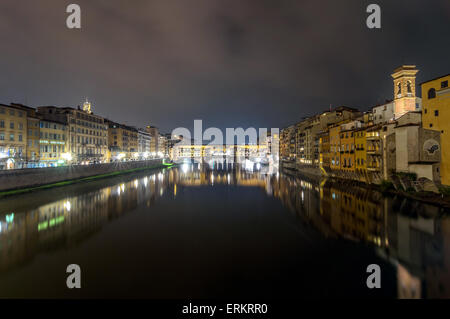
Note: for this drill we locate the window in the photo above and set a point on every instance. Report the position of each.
(2, 124)
(20, 137)
(436, 113)
(11, 137)
(431, 125)
(408, 87)
(431, 93)
(444, 84)
(11, 125)
(399, 86)
(425, 111)
(2, 136)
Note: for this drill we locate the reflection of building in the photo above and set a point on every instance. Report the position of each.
(417, 246)
(436, 116)
(69, 220)
(438, 275)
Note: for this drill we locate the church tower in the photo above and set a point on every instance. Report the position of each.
(404, 89)
(87, 107)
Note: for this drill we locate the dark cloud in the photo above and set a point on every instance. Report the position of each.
(231, 63)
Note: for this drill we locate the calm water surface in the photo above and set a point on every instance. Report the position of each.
(196, 233)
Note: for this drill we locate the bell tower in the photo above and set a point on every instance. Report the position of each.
(404, 89)
(87, 107)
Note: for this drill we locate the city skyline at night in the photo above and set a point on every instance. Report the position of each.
(170, 63)
(224, 158)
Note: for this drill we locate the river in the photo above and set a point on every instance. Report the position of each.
(190, 232)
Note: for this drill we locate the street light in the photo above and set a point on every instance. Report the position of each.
(67, 156)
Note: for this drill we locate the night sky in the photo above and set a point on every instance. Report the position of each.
(231, 63)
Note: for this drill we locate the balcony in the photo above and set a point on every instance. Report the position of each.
(374, 151)
(373, 166)
(375, 136)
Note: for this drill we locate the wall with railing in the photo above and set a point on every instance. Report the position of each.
(32, 177)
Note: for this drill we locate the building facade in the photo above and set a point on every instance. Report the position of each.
(87, 132)
(144, 144)
(122, 141)
(154, 133)
(53, 143)
(436, 116)
(13, 136)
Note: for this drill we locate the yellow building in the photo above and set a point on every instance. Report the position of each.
(288, 143)
(33, 145)
(87, 134)
(335, 147)
(32, 148)
(361, 152)
(436, 116)
(324, 151)
(122, 141)
(347, 150)
(53, 138)
(13, 136)
(374, 153)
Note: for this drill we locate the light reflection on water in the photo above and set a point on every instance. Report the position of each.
(412, 237)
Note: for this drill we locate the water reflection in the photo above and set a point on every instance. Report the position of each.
(412, 236)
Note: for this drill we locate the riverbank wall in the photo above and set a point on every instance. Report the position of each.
(309, 171)
(11, 180)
